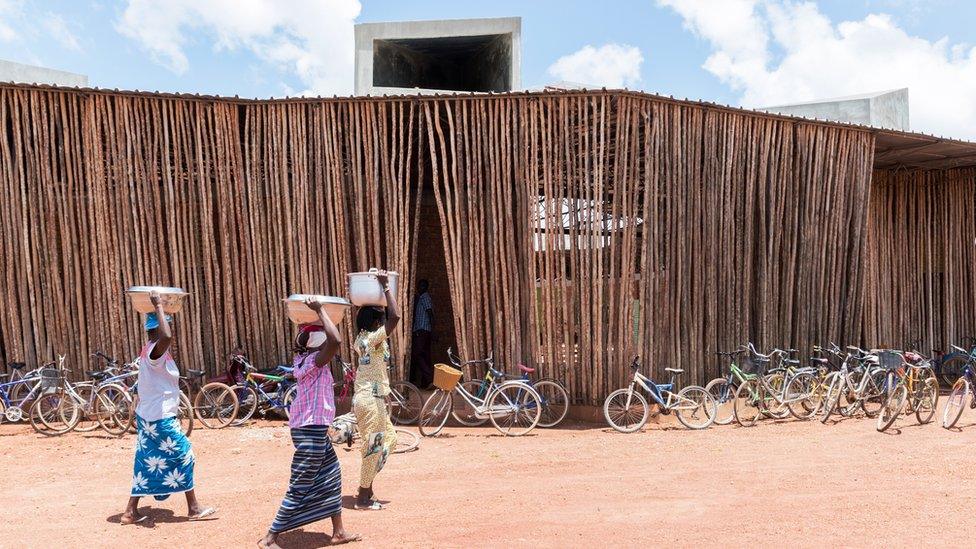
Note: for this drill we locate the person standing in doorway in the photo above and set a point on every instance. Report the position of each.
(423, 331)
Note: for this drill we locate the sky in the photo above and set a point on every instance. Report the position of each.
(749, 53)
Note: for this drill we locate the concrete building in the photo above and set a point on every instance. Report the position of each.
(460, 55)
(30, 74)
(887, 109)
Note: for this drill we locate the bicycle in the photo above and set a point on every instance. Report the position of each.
(104, 400)
(862, 386)
(52, 414)
(513, 406)
(553, 394)
(911, 388)
(18, 371)
(403, 403)
(773, 394)
(344, 430)
(214, 403)
(961, 390)
(11, 403)
(949, 367)
(265, 391)
(694, 406)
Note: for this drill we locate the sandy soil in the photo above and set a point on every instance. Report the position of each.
(793, 483)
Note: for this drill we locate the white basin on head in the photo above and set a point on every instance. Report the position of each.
(299, 313)
(365, 289)
(172, 299)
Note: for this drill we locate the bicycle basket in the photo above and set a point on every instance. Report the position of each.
(51, 378)
(445, 377)
(889, 360)
(753, 366)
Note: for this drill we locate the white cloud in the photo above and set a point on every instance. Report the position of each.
(11, 12)
(778, 51)
(312, 39)
(57, 28)
(610, 65)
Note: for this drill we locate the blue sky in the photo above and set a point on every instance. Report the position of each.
(748, 52)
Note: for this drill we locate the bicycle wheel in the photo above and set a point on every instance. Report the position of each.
(462, 411)
(114, 409)
(875, 393)
(514, 408)
(723, 393)
(434, 414)
(776, 409)
(625, 410)
(892, 407)
(185, 414)
(749, 402)
(952, 369)
(53, 414)
(405, 402)
(555, 402)
(956, 403)
(247, 398)
(928, 400)
(288, 399)
(216, 405)
(803, 400)
(831, 401)
(695, 408)
(87, 421)
(406, 441)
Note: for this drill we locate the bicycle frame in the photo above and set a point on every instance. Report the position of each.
(662, 393)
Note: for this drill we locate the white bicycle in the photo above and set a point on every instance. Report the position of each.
(513, 407)
(345, 430)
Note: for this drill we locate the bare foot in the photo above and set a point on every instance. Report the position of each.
(341, 537)
(269, 541)
(132, 518)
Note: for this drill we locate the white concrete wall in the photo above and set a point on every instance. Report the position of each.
(29, 74)
(367, 32)
(882, 109)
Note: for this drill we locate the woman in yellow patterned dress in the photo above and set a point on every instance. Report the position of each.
(372, 388)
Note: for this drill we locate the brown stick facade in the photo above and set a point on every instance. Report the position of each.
(579, 229)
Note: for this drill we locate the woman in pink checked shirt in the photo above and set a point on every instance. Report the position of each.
(315, 488)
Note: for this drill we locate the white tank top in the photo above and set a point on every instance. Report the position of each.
(159, 386)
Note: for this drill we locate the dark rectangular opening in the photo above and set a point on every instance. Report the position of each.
(457, 63)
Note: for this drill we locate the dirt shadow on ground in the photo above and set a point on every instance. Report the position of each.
(156, 516)
(301, 538)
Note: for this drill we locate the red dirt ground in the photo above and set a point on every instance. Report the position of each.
(779, 483)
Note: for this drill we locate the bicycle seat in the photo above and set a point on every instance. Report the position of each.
(196, 373)
(96, 375)
(674, 370)
(286, 369)
(497, 373)
(820, 360)
(791, 361)
(526, 369)
(18, 365)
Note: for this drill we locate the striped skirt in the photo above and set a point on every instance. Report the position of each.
(315, 488)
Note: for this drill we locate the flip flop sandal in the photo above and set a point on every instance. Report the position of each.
(208, 512)
(143, 518)
(371, 506)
